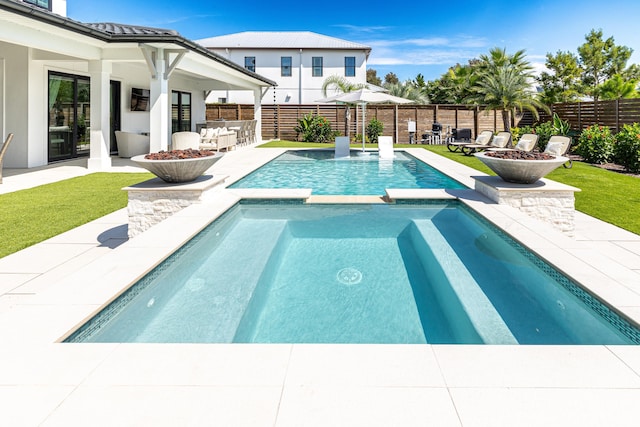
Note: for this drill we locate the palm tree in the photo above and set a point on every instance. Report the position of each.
(339, 84)
(407, 90)
(506, 89)
(505, 83)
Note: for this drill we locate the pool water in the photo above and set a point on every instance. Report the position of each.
(408, 273)
(356, 175)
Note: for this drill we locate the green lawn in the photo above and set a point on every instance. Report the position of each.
(30, 216)
(609, 196)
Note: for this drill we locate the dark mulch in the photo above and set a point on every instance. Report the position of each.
(612, 167)
(179, 154)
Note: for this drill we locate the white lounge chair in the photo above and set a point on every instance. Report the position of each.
(486, 140)
(342, 147)
(558, 145)
(385, 147)
(185, 140)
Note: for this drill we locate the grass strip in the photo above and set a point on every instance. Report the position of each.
(33, 215)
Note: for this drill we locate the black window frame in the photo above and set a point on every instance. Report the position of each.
(250, 63)
(286, 69)
(349, 69)
(316, 69)
(36, 3)
(179, 124)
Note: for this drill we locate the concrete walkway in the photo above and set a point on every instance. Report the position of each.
(50, 288)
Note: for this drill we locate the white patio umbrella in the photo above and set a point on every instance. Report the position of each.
(364, 97)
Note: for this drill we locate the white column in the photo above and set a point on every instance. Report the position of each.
(159, 116)
(257, 112)
(99, 150)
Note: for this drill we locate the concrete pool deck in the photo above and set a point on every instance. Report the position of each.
(50, 288)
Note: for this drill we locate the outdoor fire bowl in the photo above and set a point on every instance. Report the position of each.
(177, 170)
(518, 170)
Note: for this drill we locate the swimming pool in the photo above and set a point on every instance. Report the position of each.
(356, 175)
(407, 273)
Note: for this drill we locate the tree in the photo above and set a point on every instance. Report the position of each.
(391, 78)
(600, 60)
(407, 90)
(341, 85)
(504, 83)
(372, 77)
(506, 89)
(563, 83)
(618, 88)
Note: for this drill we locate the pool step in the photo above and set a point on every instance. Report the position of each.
(219, 290)
(481, 313)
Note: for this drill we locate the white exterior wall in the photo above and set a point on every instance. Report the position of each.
(301, 87)
(59, 7)
(25, 101)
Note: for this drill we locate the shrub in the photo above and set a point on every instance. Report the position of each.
(516, 133)
(358, 138)
(627, 147)
(374, 130)
(595, 144)
(544, 131)
(314, 128)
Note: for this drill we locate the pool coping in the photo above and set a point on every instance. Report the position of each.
(61, 282)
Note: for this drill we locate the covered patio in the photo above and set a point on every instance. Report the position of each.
(101, 65)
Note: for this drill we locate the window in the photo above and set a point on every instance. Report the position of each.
(285, 66)
(350, 66)
(45, 4)
(180, 111)
(250, 63)
(316, 64)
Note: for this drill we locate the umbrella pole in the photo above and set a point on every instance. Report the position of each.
(364, 137)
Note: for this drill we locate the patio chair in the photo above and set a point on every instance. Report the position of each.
(4, 150)
(459, 138)
(342, 148)
(385, 147)
(487, 140)
(527, 142)
(132, 144)
(559, 145)
(185, 140)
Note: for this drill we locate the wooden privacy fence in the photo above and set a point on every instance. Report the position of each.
(279, 121)
(613, 114)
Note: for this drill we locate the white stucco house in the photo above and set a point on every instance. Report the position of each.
(67, 86)
(299, 62)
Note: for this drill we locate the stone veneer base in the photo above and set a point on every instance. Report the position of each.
(152, 201)
(545, 200)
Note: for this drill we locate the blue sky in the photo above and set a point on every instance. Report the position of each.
(406, 38)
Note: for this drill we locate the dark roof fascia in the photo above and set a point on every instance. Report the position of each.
(47, 17)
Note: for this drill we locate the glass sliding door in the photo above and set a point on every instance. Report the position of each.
(69, 111)
(114, 120)
(180, 111)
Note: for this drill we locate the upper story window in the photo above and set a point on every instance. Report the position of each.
(285, 66)
(250, 63)
(350, 66)
(45, 4)
(316, 64)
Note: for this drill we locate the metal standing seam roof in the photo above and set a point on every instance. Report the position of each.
(279, 40)
(121, 33)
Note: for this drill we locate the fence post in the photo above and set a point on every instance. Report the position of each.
(580, 116)
(617, 115)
